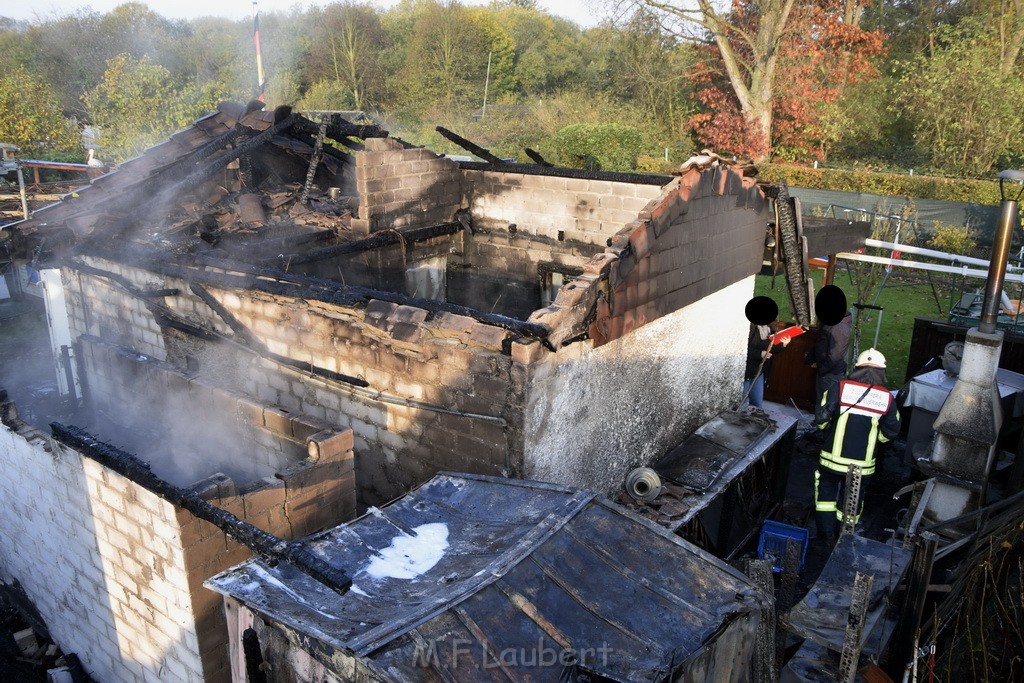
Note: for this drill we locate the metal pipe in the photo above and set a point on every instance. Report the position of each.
(997, 270)
(921, 265)
(933, 253)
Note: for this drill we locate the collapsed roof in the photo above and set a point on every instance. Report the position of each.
(343, 210)
(488, 566)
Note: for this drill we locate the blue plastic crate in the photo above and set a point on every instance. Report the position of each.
(772, 545)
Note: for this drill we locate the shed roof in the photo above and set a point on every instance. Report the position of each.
(498, 564)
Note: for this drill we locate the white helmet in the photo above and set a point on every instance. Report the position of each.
(871, 357)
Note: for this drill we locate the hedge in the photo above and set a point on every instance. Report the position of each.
(886, 184)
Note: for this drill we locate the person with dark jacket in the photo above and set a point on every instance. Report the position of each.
(830, 353)
(761, 311)
(856, 415)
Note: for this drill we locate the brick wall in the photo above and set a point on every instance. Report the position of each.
(700, 236)
(500, 272)
(117, 572)
(402, 186)
(588, 211)
(669, 295)
(101, 559)
(99, 307)
(439, 393)
(433, 383)
(308, 497)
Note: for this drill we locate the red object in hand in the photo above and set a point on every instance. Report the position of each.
(787, 334)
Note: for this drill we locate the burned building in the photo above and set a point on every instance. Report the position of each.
(261, 284)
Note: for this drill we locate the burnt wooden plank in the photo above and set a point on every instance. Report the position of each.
(832, 235)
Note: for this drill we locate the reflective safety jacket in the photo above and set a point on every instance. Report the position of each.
(855, 417)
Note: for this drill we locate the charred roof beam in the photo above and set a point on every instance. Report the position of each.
(564, 172)
(258, 347)
(379, 239)
(340, 130)
(537, 157)
(149, 187)
(199, 175)
(465, 144)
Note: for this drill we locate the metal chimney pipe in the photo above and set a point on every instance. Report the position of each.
(1008, 217)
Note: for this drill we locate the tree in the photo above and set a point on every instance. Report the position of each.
(220, 52)
(820, 45)
(1006, 19)
(70, 54)
(327, 95)
(32, 117)
(548, 55)
(912, 24)
(446, 57)
(650, 71)
(966, 113)
(349, 39)
(137, 105)
(825, 52)
(748, 41)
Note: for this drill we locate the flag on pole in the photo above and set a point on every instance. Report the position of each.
(261, 81)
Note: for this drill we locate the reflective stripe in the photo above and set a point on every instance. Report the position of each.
(856, 518)
(822, 505)
(841, 465)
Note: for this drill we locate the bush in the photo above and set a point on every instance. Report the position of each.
(954, 239)
(887, 184)
(601, 146)
(645, 163)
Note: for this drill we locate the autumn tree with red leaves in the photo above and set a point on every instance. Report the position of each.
(823, 54)
(773, 71)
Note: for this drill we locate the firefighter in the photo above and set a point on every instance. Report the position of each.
(855, 415)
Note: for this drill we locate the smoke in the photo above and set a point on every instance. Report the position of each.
(27, 369)
(186, 431)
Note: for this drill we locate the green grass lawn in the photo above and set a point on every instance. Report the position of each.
(901, 300)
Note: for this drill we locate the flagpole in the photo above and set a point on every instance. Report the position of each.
(261, 85)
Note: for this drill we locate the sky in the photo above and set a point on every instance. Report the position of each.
(583, 12)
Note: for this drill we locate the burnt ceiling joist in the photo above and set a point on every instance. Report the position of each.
(267, 546)
(253, 343)
(537, 158)
(340, 130)
(132, 196)
(168, 318)
(563, 172)
(465, 144)
(276, 281)
(379, 239)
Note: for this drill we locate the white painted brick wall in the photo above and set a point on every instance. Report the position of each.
(543, 205)
(101, 559)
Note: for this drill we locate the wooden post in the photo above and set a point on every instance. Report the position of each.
(830, 271)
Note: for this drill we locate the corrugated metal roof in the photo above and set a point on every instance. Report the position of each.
(528, 567)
